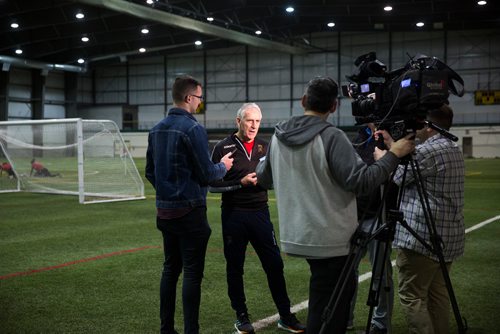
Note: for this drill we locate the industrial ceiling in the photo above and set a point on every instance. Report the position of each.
(115, 30)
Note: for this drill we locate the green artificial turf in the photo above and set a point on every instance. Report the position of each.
(72, 268)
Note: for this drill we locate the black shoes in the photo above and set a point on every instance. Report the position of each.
(291, 324)
(243, 324)
(375, 330)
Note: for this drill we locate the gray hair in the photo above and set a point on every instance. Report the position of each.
(241, 112)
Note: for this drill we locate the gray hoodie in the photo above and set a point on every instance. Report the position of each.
(316, 175)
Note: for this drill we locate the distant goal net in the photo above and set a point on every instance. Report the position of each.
(87, 158)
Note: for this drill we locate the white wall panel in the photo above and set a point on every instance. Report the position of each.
(54, 111)
(19, 110)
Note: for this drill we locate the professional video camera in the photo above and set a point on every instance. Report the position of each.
(398, 101)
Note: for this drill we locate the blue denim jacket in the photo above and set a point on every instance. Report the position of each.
(178, 163)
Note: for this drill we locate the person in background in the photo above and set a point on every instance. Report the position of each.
(39, 170)
(368, 206)
(178, 166)
(7, 167)
(245, 218)
(316, 175)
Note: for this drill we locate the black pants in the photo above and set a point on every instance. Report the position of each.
(185, 242)
(239, 228)
(324, 276)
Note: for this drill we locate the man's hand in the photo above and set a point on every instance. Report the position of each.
(403, 146)
(227, 160)
(249, 180)
(378, 153)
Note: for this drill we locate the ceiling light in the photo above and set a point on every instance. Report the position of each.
(142, 50)
(19, 51)
(81, 61)
(14, 25)
(149, 2)
(79, 15)
(258, 32)
(290, 9)
(198, 43)
(388, 8)
(331, 24)
(420, 24)
(145, 31)
(210, 19)
(85, 39)
(482, 3)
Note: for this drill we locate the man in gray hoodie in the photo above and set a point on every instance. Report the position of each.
(316, 175)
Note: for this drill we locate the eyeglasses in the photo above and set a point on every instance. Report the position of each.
(200, 96)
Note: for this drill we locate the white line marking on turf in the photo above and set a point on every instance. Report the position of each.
(259, 324)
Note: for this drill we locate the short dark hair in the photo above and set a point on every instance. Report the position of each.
(321, 94)
(183, 86)
(442, 117)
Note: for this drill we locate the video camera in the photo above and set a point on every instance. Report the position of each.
(398, 101)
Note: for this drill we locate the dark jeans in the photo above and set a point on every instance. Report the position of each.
(185, 242)
(239, 228)
(324, 277)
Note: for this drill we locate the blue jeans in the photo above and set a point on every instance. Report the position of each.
(382, 313)
(185, 242)
(238, 228)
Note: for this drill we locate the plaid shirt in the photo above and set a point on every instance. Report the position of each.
(441, 165)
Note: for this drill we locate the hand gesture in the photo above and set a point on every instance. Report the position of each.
(227, 160)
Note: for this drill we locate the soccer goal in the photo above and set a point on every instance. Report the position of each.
(88, 158)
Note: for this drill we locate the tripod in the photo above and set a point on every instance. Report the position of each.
(385, 233)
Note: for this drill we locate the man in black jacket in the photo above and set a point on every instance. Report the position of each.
(245, 218)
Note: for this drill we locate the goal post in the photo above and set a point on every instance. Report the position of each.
(87, 158)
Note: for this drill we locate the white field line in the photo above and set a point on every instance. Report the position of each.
(259, 324)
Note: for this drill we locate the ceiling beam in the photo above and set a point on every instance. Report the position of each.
(186, 23)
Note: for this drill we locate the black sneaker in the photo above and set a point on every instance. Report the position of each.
(291, 324)
(375, 330)
(243, 324)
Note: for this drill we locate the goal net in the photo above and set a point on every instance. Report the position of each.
(88, 158)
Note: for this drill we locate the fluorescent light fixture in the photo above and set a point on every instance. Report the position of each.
(14, 25)
(482, 3)
(258, 32)
(420, 24)
(85, 39)
(142, 50)
(79, 15)
(388, 8)
(198, 43)
(19, 51)
(290, 9)
(145, 31)
(149, 2)
(81, 61)
(331, 24)
(210, 19)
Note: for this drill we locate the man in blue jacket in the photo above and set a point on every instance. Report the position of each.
(178, 166)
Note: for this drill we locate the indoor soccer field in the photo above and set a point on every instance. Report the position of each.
(72, 268)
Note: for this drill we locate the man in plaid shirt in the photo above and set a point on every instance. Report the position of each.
(422, 290)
